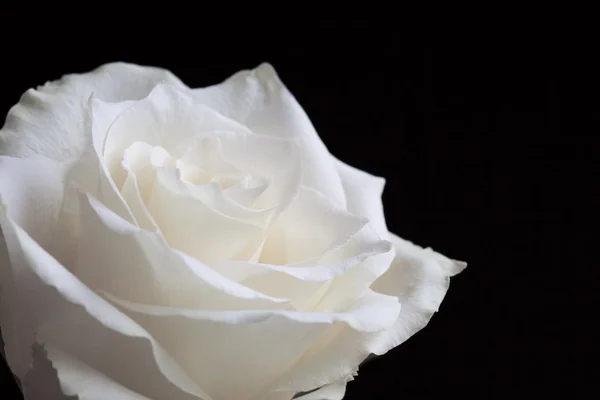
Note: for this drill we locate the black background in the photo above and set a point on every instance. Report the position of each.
(489, 150)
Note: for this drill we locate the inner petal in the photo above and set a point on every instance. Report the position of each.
(205, 152)
(192, 227)
(308, 228)
(166, 118)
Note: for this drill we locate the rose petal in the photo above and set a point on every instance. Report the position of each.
(59, 376)
(166, 118)
(32, 190)
(79, 379)
(259, 100)
(132, 195)
(310, 226)
(41, 381)
(319, 287)
(141, 161)
(67, 315)
(419, 278)
(249, 349)
(114, 82)
(334, 391)
(117, 257)
(88, 172)
(42, 124)
(363, 195)
(206, 152)
(245, 194)
(192, 227)
(276, 159)
(344, 243)
(50, 121)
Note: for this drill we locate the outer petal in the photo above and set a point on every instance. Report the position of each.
(50, 121)
(32, 189)
(41, 381)
(50, 125)
(363, 195)
(79, 379)
(420, 278)
(259, 100)
(114, 82)
(65, 314)
(58, 376)
(248, 350)
(334, 391)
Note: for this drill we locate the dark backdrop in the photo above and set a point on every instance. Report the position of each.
(487, 160)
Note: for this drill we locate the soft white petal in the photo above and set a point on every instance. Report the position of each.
(51, 121)
(103, 116)
(277, 160)
(90, 175)
(246, 195)
(247, 350)
(206, 152)
(117, 257)
(192, 227)
(41, 381)
(363, 195)
(313, 285)
(326, 243)
(58, 376)
(167, 118)
(132, 195)
(114, 82)
(78, 379)
(259, 100)
(311, 225)
(50, 125)
(66, 314)
(32, 190)
(419, 278)
(334, 391)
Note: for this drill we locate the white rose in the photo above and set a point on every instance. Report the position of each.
(170, 243)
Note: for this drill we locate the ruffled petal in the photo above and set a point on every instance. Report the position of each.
(43, 124)
(259, 100)
(58, 376)
(32, 190)
(192, 227)
(51, 121)
(326, 244)
(313, 285)
(248, 350)
(114, 82)
(363, 195)
(41, 381)
(116, 257)
(66, 314)
(276, 160)
(78, 379)
(311, 225)
(418, 278)
(333, 391)
(166, 118)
